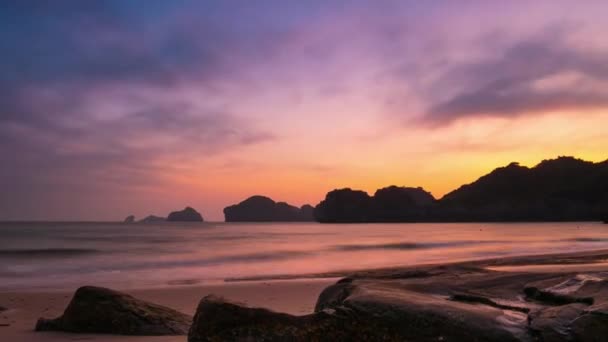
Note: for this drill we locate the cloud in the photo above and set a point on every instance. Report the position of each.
(95, 101)
(531, 76)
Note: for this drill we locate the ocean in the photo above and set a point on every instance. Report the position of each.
(58, 256)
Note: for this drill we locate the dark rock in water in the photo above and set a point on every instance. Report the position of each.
(129, 219)
(263, 209)
(462, 302)
(101, 310)
(2, 308)
(186, 215)
(152, 219)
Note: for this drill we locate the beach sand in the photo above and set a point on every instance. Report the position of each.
(293, 296)
(297, 297)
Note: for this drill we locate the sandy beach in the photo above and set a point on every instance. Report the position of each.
(296, 297)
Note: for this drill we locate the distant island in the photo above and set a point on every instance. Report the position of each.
(187, 215)
(562, 189)
(152, 219)
(263, 209)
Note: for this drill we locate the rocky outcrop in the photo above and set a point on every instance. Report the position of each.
(264, 209)
(152, 219)
(186, 215)
(129, 219)
(101, 310)
(562, 189)
(390, 204)
(463, 302)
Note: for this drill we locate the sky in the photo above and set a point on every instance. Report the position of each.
(110, 108)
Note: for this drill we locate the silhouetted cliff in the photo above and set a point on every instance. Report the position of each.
(264, 209)
(562, 189)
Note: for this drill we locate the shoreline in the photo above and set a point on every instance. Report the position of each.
(293, 296)
(591, 257)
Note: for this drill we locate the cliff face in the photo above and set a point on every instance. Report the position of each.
(562, 189)
(264, 209)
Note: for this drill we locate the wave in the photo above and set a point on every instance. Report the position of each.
(412, 245)
(46, 252)
(585, 239)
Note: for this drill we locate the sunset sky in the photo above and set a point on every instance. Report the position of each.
(110, 108)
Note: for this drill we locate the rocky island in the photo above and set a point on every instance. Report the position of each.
(263, 209)
(186, 215)
(152, 219)
(129, 219)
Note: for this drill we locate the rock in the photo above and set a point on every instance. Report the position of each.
(129, 219)
(186, 215)
(554, 323)
(552, 298)
(592, 325)
(263, 209)
(152, 219)
(462, 302)
(101, 310)
(2, 308)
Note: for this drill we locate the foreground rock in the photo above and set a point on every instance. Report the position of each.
(264, 209)
(186, 215)
(465, 302)
(101, 310)
(129, 219)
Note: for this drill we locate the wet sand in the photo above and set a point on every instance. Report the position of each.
(297, 297)
(294, 296)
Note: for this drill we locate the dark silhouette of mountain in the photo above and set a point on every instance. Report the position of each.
(264, 209)
(186, 215)
(562, 189)
(391, 204)
(129, 219)
(344, 205)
